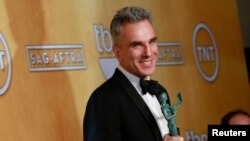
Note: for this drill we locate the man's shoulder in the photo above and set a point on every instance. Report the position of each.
(108, 87)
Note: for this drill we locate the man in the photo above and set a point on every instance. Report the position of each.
(120, 110)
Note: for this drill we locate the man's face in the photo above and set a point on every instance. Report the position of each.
(137, 48)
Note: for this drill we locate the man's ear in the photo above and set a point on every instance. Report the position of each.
(116, 51)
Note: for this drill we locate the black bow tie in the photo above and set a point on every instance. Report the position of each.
(149, 86)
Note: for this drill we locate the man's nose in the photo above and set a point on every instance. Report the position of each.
(147, 50)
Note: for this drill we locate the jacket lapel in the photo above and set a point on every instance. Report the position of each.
(138, 101)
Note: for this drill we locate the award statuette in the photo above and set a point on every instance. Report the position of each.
(170, 111)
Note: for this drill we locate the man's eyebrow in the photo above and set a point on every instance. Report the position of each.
(153, 39)
(141, 42)
(135, 43)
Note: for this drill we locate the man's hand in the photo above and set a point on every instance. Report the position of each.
(172, 138)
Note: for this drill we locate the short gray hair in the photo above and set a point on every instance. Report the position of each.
(127, 14)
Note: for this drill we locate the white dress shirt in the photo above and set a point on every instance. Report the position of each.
(151, 101)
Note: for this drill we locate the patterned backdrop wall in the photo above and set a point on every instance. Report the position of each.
(54, 53)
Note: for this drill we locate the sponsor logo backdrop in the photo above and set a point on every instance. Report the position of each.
(201, 56)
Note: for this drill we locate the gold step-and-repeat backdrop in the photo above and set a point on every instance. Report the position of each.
(54, 53)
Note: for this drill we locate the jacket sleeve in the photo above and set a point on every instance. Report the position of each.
(92, 124)
(101, 121)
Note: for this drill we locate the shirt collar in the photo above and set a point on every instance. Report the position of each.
(134, 80)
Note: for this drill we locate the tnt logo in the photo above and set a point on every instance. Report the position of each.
(205, 52)
(5, 65)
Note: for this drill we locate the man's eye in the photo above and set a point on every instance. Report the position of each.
(136, 45)
(153, 41)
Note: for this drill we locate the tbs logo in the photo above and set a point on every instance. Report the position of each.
(104, 45)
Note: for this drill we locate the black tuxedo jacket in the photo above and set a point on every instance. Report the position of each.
(116, 112)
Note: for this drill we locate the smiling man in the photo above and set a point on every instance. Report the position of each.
(122, 109)
(136, 48)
